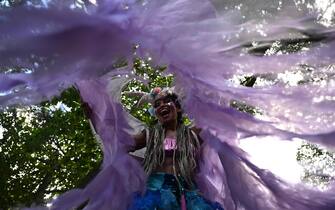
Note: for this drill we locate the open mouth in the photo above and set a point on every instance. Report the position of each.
(164, 112)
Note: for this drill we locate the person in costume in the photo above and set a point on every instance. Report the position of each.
(170, 159)
(204, 45)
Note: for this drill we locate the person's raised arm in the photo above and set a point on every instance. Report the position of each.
(140, 141)
(140, 138)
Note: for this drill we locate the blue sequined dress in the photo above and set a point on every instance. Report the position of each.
(163, 193)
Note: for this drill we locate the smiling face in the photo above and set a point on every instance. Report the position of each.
(166, 110)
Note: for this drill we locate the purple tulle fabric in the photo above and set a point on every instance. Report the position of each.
(204, 45)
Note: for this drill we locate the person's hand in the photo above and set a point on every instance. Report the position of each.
(87, 109)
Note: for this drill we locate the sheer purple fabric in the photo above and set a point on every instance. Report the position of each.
(120, 174)
(204, 45)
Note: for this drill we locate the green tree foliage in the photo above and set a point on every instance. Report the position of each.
(247, 81)
(45, 150)
(318, 164)
(154, 77)
(48, 149)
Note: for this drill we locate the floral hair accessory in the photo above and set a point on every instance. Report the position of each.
(154, 94)
(155, 91)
